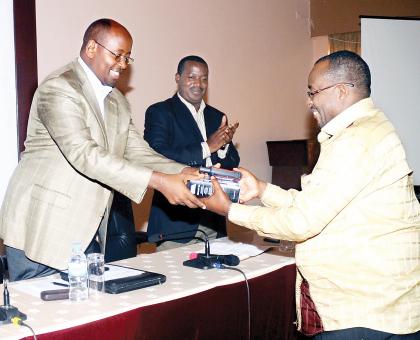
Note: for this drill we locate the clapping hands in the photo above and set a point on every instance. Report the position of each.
(222, 136)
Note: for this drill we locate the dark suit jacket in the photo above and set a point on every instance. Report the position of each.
(171, 130)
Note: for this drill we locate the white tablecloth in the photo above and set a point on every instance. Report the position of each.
(181, 281)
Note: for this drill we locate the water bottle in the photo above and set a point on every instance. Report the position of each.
(78, 277)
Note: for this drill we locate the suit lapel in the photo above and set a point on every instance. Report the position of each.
(111, 120)
(91, 98)
(103, 226)
(212, 120)
(183, 114)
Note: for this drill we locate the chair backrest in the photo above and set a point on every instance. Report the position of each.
(121, 240)
(3, 267)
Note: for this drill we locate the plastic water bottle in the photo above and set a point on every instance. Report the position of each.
(78, 277)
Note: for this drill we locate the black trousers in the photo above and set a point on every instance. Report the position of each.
(360, 333)
(21, 268)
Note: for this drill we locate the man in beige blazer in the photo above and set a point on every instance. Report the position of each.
(81, 145)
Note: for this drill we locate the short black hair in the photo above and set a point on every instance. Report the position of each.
(95, 28)
(194, 58)
(347, 66)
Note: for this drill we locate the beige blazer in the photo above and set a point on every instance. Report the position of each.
(72, 160)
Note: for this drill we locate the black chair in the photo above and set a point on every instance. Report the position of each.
(122, 238)
(3, 267)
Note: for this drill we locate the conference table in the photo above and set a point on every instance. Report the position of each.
(191, 304)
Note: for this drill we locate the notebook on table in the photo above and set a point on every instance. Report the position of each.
(120, 279)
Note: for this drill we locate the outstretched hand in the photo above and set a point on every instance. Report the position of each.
(191, 173)
(174, 188)
(251, 186)
(219, 202)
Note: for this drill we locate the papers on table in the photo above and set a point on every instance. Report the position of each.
(224, 246)
(117, 272)
(34, 287)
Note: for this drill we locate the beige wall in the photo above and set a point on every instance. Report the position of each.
(259, 54)
(320, 47)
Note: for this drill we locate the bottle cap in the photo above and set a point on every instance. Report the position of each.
(76, 246)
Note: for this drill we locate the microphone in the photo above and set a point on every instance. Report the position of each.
(200, 261)
(8, 313)
(212, 261)
(208, 260)
(229, 260)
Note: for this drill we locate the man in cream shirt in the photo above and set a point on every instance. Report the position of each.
(356, 220)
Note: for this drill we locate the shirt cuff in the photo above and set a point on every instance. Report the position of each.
(206, 150)
(241, 214)
(274, 196)
(222, 152)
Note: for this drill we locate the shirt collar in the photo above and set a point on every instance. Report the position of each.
(347, 117)
(101, 91)
(191, 106)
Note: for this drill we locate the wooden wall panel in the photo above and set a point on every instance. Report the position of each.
(26, 63)
(341, 16)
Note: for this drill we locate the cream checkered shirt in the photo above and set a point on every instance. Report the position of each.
(357, 223)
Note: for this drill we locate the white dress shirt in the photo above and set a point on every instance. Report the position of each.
(101, 91)
(199, 118)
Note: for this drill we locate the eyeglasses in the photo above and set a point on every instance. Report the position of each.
(311, 94)
(118, 57)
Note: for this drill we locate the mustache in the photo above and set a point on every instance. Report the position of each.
(313, 108)
(197, 88)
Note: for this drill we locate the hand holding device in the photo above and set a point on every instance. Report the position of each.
(251, 186)
(228, 180)
(219, 202)
(173, 188)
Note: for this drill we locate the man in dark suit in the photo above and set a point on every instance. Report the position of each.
(185, 129)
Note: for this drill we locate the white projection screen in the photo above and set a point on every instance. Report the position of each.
(391, 47)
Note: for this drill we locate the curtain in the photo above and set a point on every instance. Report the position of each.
(345, 41)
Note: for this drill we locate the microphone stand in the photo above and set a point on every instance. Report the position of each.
(202, 261)
(7, 311)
